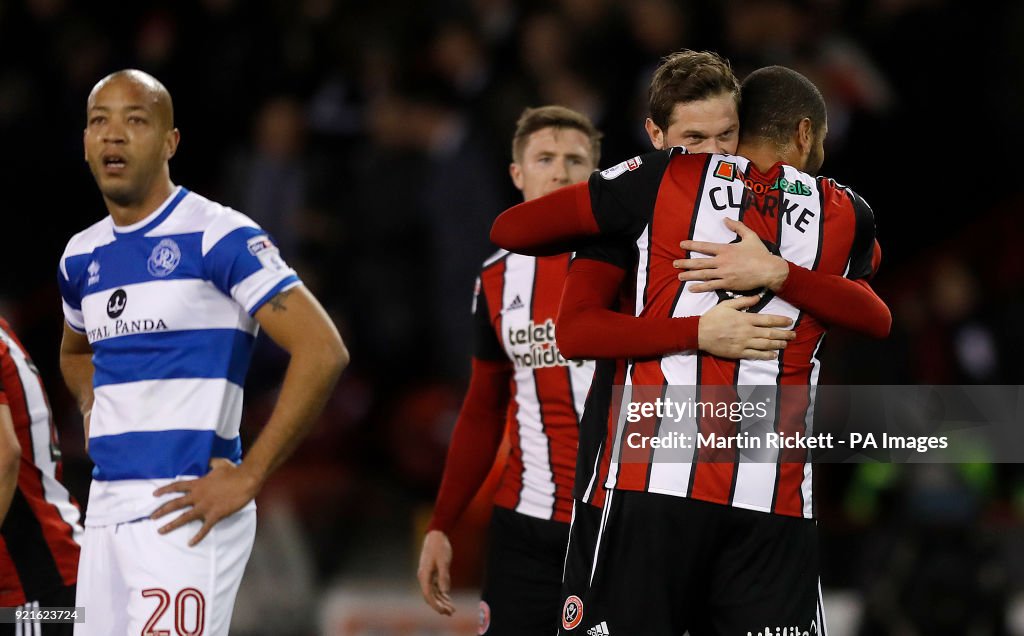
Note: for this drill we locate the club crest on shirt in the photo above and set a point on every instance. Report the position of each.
(164, 259)
(572, 612)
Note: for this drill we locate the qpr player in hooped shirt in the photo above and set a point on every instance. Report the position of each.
(162, 300)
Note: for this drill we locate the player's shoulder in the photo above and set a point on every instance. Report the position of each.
(656, 160)
(840, 194)
(197, 214)
(721, 165)
(96, 235)
(78, 251)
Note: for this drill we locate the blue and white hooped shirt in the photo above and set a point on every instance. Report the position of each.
(167, 305)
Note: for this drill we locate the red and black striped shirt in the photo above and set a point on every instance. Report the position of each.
(515, 306)
(657, 200)
(39, 539)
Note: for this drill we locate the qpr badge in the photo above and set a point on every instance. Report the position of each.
(572, 612)
(164, 259)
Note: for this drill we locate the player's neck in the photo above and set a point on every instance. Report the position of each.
(132, 213)
(764, 156)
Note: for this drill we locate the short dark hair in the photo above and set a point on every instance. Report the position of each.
(534, 119)
(689, 76)
(774, 100)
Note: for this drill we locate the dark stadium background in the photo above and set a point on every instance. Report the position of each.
(372, 140)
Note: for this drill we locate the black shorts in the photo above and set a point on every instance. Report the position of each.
(586, 522)
(61, 597)
(666, 565)
(523, 581)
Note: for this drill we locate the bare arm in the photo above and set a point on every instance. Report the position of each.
(296, 321)
(10, 460)
(76, 367)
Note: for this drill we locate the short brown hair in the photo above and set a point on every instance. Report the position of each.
(689, 76)
(534, 119)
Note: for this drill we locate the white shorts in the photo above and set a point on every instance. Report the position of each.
(133, 580)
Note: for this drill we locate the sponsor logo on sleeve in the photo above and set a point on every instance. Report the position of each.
(264, 249)
(625, 166)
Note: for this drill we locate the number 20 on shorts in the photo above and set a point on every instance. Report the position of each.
(186, 622)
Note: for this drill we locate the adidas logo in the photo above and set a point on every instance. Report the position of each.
(517, 303)
(599, 630)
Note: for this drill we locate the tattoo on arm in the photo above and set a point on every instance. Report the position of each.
(277, 302)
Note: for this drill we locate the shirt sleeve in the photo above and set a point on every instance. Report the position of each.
(615, 202)
(475, 441)
(862, 250)
(623, 196)
(555, 223)
(246, 265)
(849, 301)
(615, 252)
(837, 301)
(589, 327)
(71, 298)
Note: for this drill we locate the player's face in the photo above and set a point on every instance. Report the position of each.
(552, 158)
(706, 125)
(127, 140)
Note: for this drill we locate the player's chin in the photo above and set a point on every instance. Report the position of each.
(117, 189)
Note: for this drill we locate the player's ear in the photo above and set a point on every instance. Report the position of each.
(805, 136)
(85, 149)
(516, 173)
(803, 142)
(173, 137)
(656, 134)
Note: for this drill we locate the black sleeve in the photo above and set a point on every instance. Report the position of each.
(623, 196)
(485, 341)
(863, 247)
(614, 251)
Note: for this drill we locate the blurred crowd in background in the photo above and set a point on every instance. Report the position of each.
(372, 140)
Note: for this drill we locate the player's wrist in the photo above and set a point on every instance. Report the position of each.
(778, 273)
(254, 475)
